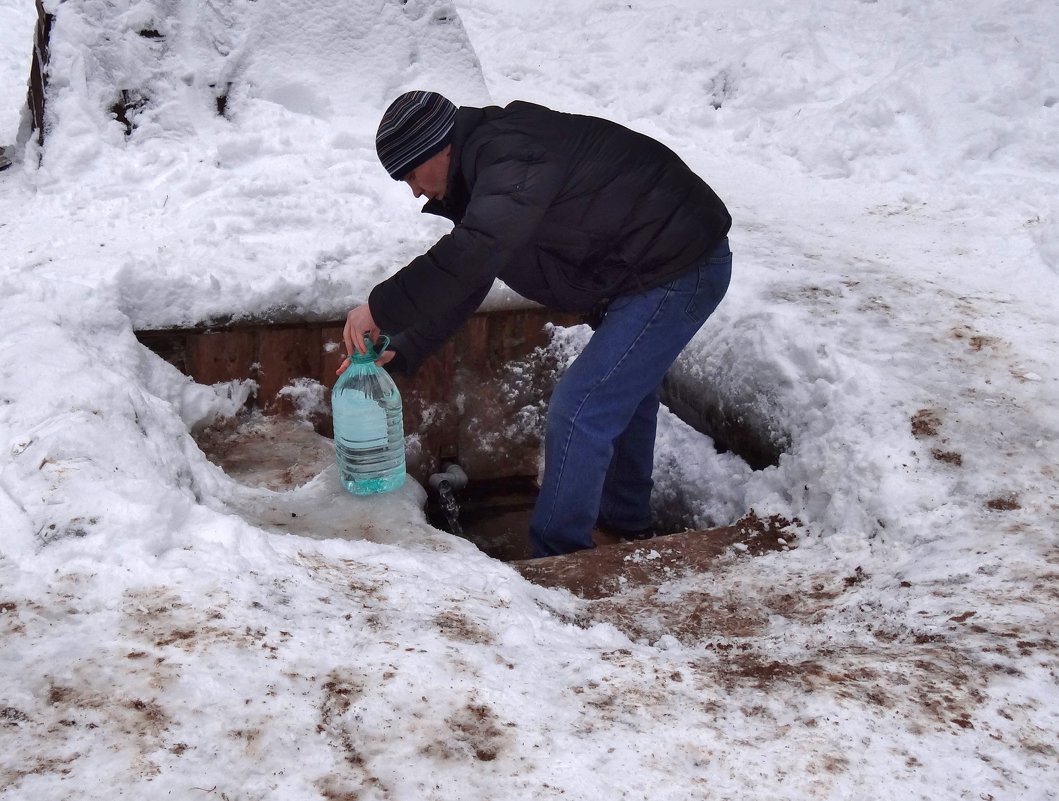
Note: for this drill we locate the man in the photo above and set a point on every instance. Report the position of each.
(578, 214)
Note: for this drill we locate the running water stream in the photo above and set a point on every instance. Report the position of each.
(445, 484)
(449, 506)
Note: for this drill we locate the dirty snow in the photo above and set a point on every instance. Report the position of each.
(893, 175)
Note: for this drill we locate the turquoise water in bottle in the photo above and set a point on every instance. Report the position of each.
(369, 426)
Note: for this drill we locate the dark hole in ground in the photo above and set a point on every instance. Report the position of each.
(221, 97)
(480, 401)
(125, 107)
(495, 514)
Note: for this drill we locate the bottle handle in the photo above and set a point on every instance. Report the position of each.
(378, 348)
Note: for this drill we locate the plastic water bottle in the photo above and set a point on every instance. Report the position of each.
(369, 427)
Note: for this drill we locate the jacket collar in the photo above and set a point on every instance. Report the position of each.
(457, 192)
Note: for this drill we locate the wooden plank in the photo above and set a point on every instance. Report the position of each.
(283, 355)
(38, 81)
(460, 404)
(216, 356)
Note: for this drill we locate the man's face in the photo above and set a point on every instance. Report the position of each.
(431, 178)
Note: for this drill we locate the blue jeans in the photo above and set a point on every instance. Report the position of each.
(600, 437)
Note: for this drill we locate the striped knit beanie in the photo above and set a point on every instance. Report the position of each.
(416, 126)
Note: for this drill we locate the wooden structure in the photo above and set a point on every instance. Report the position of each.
(38, 78)
(479, 400)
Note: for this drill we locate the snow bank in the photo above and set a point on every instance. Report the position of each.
(893, 313)
(279, 202)
(14, 66)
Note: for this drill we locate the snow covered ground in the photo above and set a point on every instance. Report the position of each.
(893, 174)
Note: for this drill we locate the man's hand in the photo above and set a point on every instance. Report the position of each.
(358, 323)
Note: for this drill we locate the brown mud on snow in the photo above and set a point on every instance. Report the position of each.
(273, 452)
(616, 567)
(935, 672)
(637, 586)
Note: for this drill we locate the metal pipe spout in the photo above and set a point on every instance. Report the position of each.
(453, 476)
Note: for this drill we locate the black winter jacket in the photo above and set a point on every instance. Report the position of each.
(569, 211)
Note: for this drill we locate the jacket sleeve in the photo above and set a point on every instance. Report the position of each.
(415, 344)
(514, 183)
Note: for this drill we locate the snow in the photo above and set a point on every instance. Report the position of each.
(893, 176)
